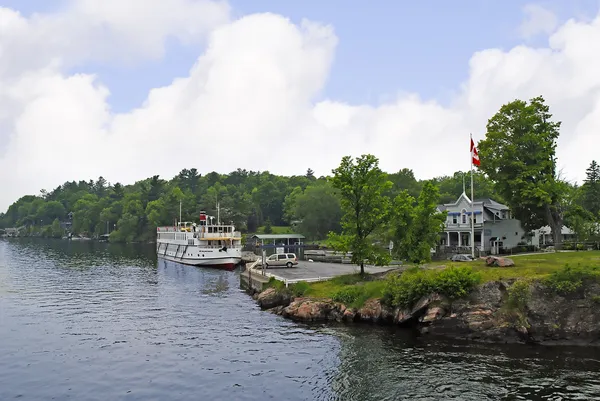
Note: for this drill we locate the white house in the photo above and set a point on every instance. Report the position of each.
(494, 226)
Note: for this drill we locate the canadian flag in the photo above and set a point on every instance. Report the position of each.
(474, 155)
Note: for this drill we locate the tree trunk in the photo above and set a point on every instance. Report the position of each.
(362, 268)
(555, 222)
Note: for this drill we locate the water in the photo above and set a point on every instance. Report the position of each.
(90, 321)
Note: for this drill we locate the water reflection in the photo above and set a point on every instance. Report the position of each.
(85, 320)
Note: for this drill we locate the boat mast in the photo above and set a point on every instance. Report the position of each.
(180, 211)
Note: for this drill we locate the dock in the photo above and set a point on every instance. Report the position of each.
(311, 271)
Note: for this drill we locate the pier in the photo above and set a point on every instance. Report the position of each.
(306, 271)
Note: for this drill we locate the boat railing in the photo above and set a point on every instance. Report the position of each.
(201, 234)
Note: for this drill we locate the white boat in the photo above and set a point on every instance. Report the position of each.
(204, 244)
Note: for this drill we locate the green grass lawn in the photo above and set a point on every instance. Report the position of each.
(530, 266)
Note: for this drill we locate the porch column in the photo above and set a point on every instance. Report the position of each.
(459, 238)
(448, 238)
(482, 242)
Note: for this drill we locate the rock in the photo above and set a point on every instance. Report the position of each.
(402, 316)
(271, 298)
(433, 314)
(308, 310)
(496, 261)
(371, 311)
(349, 315)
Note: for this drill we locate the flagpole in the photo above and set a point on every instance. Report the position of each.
(472, 207)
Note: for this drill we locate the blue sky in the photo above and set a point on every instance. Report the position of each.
(384, 47)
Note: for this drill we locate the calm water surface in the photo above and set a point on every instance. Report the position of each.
(90, 321)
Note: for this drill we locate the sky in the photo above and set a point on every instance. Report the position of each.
(127, 90)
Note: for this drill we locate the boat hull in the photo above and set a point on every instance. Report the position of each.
(224, 263)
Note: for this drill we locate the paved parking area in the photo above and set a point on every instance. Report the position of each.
(315, 270)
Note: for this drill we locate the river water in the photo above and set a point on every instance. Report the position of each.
(93, 321)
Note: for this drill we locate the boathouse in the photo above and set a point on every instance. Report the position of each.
(277, 243)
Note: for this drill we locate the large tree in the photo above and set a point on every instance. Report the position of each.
(591, 189)
(318, 208)
(361, 185)
(518, 153)
(417, 224)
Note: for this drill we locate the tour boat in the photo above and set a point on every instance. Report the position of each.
(205, 244)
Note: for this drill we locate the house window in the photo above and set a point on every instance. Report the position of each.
(464, 216)
(454, 219)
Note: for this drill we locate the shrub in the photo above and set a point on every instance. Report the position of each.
(406, 289)
(300, 289)
(348, 294)
(518, 294)
(570, 279)
(596, 299)
(277, 284)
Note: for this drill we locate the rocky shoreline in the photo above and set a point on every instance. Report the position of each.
(485, 316)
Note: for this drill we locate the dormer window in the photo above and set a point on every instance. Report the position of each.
(464, 216)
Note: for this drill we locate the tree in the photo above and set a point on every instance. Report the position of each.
(361, 186)
(319, 210)
(310, 174)
(289, 204)
(55, 230)
(268, 229)
(418, 227)
(519, 155)
(591, 189)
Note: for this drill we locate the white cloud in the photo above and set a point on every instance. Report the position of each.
(539, 20)
(249, 101)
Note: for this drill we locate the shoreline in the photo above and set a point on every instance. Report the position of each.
(484, 316)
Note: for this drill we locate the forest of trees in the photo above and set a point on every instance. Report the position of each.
(518, 168)
(249, 199)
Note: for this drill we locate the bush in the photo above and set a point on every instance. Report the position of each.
(406, 289)
(348, 295)
(299, 289)
(570, 279)
(277, 284)
(518, 294)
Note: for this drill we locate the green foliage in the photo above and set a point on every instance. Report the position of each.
(406, 289)
(319, 210)
(351, 279)
(451, 187)
(591, 189)
(417, 226)
(518, 295)
(268, 228)
(570, 279)
(348, 294)
(596, 299)
(366, 210)
(299, 289)
(519, 155)
(276, 284)
(55, 230)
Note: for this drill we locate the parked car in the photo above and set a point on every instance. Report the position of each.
(461, 258)
(281, 259)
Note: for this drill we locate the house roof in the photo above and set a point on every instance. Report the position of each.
(278, 236)
(492, 204)
(486, 202)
